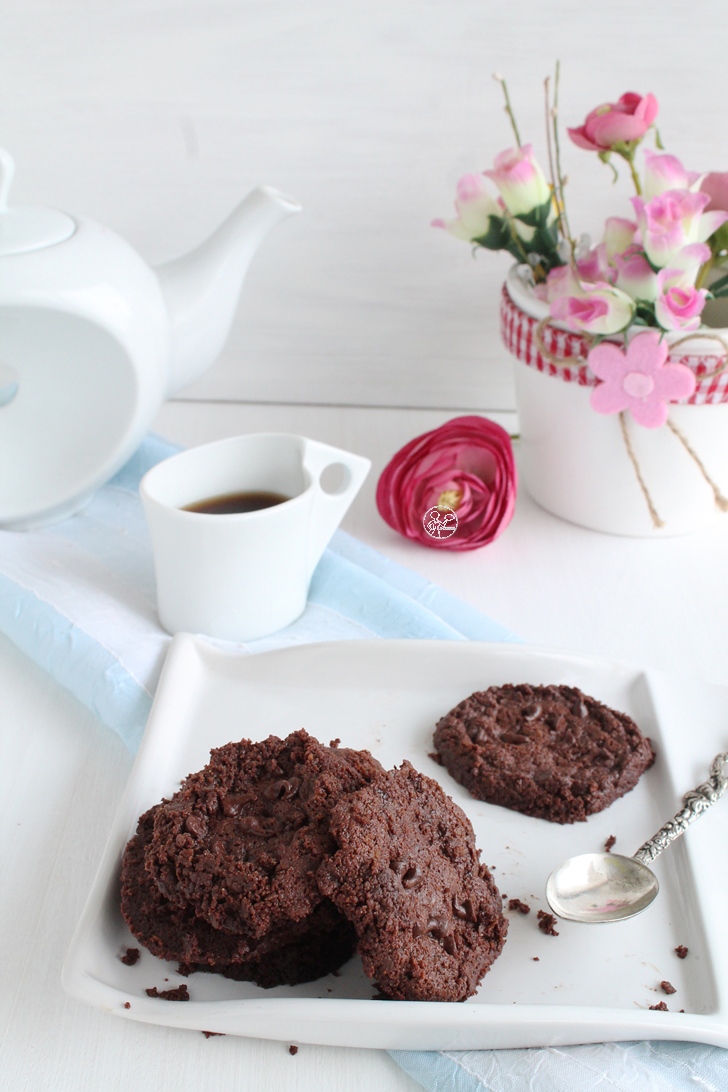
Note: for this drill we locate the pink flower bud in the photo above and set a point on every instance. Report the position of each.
(596, 309)
(466, 467)
(621, 122)
(474, 206)
(635, 276)
(520, 180)
(673, 220)
(715, 185)
(666, 172)
(679, 304)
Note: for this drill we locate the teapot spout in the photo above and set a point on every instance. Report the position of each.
(201, 288)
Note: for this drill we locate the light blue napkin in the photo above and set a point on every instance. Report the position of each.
(78, 598)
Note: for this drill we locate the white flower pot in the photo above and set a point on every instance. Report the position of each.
(575, 462)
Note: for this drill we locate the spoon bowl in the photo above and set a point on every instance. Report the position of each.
(601, 887)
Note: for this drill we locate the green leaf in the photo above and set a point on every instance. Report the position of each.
(538, 217)
(497, 237)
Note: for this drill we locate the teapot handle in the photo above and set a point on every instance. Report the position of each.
(328, 509)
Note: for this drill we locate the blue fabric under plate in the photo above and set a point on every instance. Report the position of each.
(78, 598)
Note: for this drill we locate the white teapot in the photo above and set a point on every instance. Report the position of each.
(92, 340)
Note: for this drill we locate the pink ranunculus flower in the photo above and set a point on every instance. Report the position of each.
(621, 122)
(474, 206)
(520, 180)
(465, 465)
(715, 185)
(595, 309)
(666, 172)
(679, 304)
(635, 275)
(672, 220)
(638, 380)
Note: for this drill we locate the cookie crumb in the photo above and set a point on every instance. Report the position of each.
(667, 987)
(293, 1049)
(334, 743)
(681, 951)
(546, 923)
(609, 843)
(131, 957)
(178, 994)
(209, 1034)
(127, 1005)
(536, 959)
(521, 907)
(661, 1007)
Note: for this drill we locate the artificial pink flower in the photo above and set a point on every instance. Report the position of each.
(560, 282)
(638, 380)
(622, 122)
(666, 172)
(520, 180)
(466, 465)
(635, 275)
(715, 185)
(594, 266)
(678, 304)
(618, 235)
(673, 220)
(595, 309)
(474, 206)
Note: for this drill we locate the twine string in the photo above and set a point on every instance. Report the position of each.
(720, 500)
(656, 521)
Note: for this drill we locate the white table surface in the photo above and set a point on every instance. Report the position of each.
(659, 603)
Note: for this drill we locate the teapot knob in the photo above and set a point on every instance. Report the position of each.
(23, 229)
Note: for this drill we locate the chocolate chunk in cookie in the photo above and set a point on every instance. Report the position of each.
(407, 875)
(240, 843)
(548, 751)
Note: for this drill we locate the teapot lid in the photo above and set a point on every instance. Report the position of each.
(24, 227)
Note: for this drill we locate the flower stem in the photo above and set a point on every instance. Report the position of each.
(635, 176)
(509, 110)
(560, 201)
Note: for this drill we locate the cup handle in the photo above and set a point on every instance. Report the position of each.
(329, 508)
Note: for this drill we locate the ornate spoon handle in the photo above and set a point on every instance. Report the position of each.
(695, 803)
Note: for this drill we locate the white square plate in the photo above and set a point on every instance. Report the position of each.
(592, 983)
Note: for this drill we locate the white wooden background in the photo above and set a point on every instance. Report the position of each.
(155, 116)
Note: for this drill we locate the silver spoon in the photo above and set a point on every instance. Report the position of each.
(596, 887)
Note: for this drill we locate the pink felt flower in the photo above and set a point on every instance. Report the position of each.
(638, 380)
(465, 466)
(621, 122)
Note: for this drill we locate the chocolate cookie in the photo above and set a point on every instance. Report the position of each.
(548, 751)
(323, 941)
(408, 876)
(240, 843)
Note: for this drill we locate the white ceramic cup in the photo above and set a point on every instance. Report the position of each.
(244, 575)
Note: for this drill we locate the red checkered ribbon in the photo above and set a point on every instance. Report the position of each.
(518, 331)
